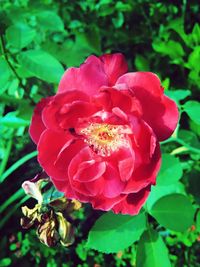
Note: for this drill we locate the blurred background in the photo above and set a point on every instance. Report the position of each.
(39, 40)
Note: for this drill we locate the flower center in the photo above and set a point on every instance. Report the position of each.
(105, 139)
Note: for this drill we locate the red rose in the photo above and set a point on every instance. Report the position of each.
(98, 136)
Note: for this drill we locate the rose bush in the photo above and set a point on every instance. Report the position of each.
(98, 137)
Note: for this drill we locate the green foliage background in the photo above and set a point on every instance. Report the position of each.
(39, 40)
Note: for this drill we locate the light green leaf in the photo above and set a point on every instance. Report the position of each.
(42, 65)
(112, 232)
(152, 251)
(171, 48)
(160, 191)
(11, 120)
(174, 212)
(20, 35)
(178, 95)
(171, 170)
(5, 73)
(192, 108)
(50, 21)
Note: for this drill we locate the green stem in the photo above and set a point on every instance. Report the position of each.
(16, 165)
(6, 156)
(181, 142)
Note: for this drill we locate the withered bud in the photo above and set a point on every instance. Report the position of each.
(65, 230)
(31, 216)
(47, 231)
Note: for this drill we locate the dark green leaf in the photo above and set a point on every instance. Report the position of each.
(174, 212)
(141, 63)
(189, 138)
(42, 65)
(112, 232)
(152, 251)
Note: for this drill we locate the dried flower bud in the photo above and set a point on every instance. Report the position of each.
(46, 231)
(65, 230)
(49, 214)
(31, 216)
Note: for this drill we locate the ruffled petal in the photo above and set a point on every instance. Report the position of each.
(145, 174)
(113, 186)
(37, 126)
(114, 66)
(160, 112)
(94, 73)
(88, 78)
(55, 157)
(132, 203)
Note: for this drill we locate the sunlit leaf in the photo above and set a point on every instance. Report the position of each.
(20, 35)
(152, 251)
(174, 212)
(42, 65)
(171, 170)
(113, 232)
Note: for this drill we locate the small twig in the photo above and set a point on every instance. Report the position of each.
(7, 59)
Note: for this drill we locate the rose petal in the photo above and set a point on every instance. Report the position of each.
(114, 66)
(145, 174)
(132, 203)
(88, 78)
(160, 112)
(113, 186)
(94, 73)
(37, 126)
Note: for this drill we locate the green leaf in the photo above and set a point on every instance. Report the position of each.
(152, 251)
(4, 73)
(42, 65)
(192, 108)
(189, 138)
(171, 170)
(141, 63)
(174, 212)
(112, 232)
(119, 20)
(49, 20)
(198, 221)
(171, 48)
(20, 35)
(12, 120)
(160, 191)
(195, 35)
(178, 95)
(5, 262)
